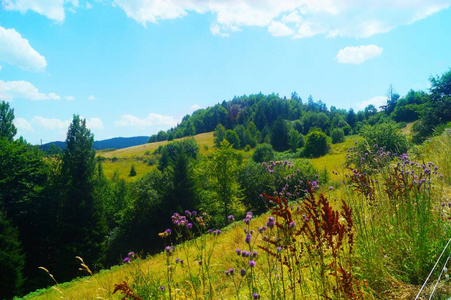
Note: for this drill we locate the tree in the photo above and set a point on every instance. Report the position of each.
(263, 152)
(279, 135)
(316, 144)
(82, 225)
(219, 135)
(11, 259)
(233, 138)
(132, 171)
(7, 128)
(224, 166)
(337, 135)
(392, 98)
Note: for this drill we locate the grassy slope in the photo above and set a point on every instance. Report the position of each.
(102, 284)
(125, 158)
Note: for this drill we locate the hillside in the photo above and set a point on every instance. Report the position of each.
(139, 156)
(113, 143)
(147, 276)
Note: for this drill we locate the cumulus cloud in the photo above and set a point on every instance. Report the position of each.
(15, 50)
(376, 101)
(151, 120)
(49, 123)
(91, 98)
(69, 98)
(357, 55)
(23, 90)
(298, 18)
(94, 123)
(279, 29)
(52, 9)
(23, 124)
(195, 107)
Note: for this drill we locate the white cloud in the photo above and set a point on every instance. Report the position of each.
(94, 123)
(23, 124)
(305, 18)
(23, 90)
(49, 123)
(279, 29)
(88, 5)
(15, 50)
(69, 98)
(0, 68)
(52, 9)
(151, 120)
(195, 107)
(376, 101)
(357, 55)
(91, 98)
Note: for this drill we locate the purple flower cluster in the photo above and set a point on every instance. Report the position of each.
(179, 220)
(231, 218)
(248, 218)
(230, 271)
(129, 257)
(270, 223)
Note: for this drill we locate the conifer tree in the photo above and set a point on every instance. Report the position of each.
(7, 128)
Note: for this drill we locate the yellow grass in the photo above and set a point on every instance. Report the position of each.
(138, 155)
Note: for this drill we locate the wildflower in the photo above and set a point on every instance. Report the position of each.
(177, 260)
(256, 296)
(279, 249)
(189, 225)
(270, 222)
(245, 253)
(441, 175)
(194, 213)
(127, 259)
(210, 230)
(217, 232)
(162, 288)
(200, 262)
(238, 251)
(331, 188)
(188, 213)
(248, 238)
(252, 263)
(262, 229)
(231, 218)
(131, 254)
(292, 224)
(254, 253)
(243, 272)
(168, 249)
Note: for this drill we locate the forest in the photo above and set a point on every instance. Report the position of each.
(57, 205)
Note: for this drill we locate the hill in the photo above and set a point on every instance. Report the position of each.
(113, 143)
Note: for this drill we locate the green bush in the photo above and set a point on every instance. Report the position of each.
(263, 152)
(317, 144)
(385, 135)
(337, 135)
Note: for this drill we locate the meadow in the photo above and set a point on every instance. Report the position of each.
(374, 231)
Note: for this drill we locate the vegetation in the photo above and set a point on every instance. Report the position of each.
(337, 225)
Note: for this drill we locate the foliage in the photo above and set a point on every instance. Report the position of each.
(385, 135)
(263, 152)
(337, 135)
(316, 145)
(132, 171)
(12, 260)
(7, 128)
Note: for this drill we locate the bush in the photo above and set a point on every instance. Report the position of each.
(317, 144)
(132, 171)
(385, 135)
(263, 152)
(338, 136)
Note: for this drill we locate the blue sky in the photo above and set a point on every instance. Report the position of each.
(134, 67)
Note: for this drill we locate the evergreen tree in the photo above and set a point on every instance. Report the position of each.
(219, 135)
(279, 135)
(82, 226)
(132, 171)
(11, 259)
(7, 128)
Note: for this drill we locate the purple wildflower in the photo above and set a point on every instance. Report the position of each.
(256, 296)
(131, 254)
(243, 272)
(162, 288)
(238, 251)
(189, 225)
(252, 263)
(127, 259)
(231, 218)
(248, 238)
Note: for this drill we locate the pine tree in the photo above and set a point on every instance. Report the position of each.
(82, 224)
(7, 128)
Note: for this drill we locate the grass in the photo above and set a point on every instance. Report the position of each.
(388, 252)
(121, 160)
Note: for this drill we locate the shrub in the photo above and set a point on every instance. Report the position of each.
(316, 145)
(132, 171)
(385, 135)
(337, 135)
(263, 152)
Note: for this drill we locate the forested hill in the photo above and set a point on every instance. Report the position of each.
(285, 118)
(114, 143)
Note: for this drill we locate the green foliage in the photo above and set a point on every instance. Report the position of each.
(263, 152)
(219, 135)
(233, 139)
(11, 259)
(317, 144)
(132, 171)
(7, 128)
(385, 135)
(337, 135)
(82, 228)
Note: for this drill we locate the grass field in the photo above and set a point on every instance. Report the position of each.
(120, 161)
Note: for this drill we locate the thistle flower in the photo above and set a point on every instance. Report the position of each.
(131, 254)
(270, 222)
(248, 238)
(231, 218)
(243, 272)
(189, 225)
(162, 288)
(127, 259)
(256, 296)
(238, 251)
(252, 263)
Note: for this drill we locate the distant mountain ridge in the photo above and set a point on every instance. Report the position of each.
(113, 143)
